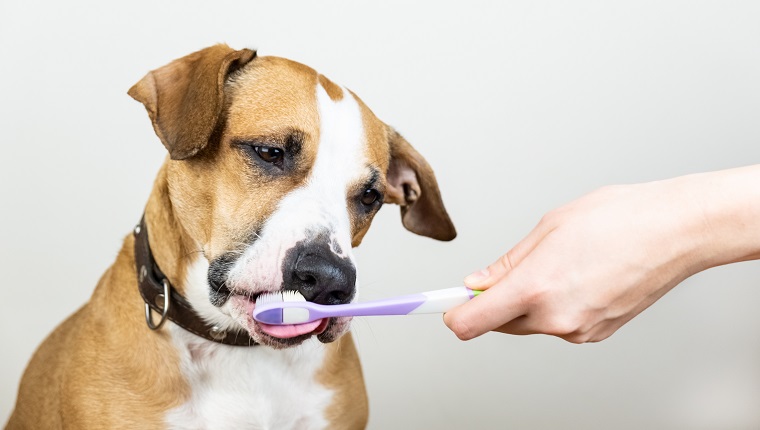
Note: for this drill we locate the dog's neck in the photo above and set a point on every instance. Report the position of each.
(172, 248)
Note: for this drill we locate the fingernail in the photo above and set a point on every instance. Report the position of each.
(479, 276)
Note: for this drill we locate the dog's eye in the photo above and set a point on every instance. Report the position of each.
(270, 154)
(370, 196)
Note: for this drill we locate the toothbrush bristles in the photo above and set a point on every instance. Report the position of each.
(280, 296)
(268, 298)
(292, 296)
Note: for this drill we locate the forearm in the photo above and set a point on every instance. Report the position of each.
(728, 203)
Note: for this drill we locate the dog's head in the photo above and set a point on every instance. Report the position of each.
(275, 174)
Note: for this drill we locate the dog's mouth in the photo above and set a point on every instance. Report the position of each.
(290, 331)
(283, 336)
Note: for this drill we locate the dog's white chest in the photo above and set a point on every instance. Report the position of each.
(250, 388)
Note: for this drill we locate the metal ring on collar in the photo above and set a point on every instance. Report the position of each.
(164, 311)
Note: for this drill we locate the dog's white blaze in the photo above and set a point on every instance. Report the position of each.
(239, 387)
(319, 205)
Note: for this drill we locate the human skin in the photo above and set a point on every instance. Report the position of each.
(592, 265)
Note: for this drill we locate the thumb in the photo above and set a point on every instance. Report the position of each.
(486, 311)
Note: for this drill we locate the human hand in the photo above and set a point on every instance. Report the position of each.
(595, 263)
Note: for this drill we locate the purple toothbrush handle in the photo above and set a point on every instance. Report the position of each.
(395, 306)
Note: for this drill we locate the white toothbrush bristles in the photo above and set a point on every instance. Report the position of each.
(292, 296)
(280, 296)
(268, 298)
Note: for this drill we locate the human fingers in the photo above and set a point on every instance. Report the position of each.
(527, 325)
(491, 309)
(569, 324)
(486, 278)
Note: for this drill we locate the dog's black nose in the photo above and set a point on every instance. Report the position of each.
(319, 275)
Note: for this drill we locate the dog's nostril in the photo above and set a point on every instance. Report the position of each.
(307, 278)
(338, 297)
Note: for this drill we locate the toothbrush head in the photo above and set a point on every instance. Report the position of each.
(269, 307)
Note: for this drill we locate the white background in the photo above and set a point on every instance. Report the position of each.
(518, 106)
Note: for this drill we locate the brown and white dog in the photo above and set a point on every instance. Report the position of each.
(273, 176)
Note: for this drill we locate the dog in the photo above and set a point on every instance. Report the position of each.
(274, 173)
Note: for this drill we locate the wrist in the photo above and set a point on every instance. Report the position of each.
(725, 215)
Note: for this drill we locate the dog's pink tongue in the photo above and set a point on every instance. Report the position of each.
(290, 330)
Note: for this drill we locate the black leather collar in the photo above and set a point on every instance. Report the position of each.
(153, 285)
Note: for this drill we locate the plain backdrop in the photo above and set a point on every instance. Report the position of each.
(518, 106)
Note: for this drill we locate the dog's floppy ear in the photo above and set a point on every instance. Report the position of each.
(412, 185)
(184, 98)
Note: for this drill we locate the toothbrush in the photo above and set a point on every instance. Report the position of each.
(290, 307)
